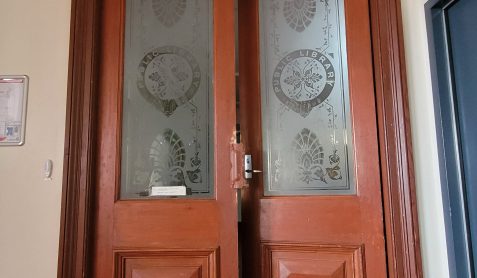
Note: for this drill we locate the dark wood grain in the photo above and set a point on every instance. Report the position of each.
(77, 194)
(402, 228)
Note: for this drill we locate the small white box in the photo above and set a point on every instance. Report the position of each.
(168, 191)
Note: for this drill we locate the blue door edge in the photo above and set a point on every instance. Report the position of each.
(459, 247)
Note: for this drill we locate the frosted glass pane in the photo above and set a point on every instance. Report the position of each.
(167, 146)
(305, 98)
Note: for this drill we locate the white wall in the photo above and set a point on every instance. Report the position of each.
(431, 218)
(34, 37)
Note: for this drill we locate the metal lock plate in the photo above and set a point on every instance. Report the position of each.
(248, 166)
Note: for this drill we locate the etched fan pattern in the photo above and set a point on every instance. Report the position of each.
(309, 156)
(168, 156)
(299, 13)
(169, 12)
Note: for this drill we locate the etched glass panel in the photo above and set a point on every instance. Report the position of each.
(305, 98)
(167, 139)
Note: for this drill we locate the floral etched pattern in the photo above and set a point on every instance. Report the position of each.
(334, 171)
(305, 80)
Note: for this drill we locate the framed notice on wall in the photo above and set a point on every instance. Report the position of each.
(13, 100)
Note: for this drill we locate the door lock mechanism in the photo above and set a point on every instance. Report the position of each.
(248, 167)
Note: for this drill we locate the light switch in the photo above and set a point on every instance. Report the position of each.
(48, 169)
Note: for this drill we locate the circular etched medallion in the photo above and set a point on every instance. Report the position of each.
(303, 80)
(169, 76)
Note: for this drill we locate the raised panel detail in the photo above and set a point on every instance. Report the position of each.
(166, 264)
(163, 272)
(285, 260)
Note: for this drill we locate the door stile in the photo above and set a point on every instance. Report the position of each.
(77, 207)
(109, 135)
(365, 130)
(399, 188)
(250, 128)
(225, 119)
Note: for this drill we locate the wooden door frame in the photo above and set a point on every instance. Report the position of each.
(397, 175)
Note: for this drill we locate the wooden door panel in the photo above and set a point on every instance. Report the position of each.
(133, 219)
(167, 264)
(163, 237)
(164, 272)
(312, 261)
(322, 220)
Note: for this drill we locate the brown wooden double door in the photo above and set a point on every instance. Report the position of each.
(282, 235)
